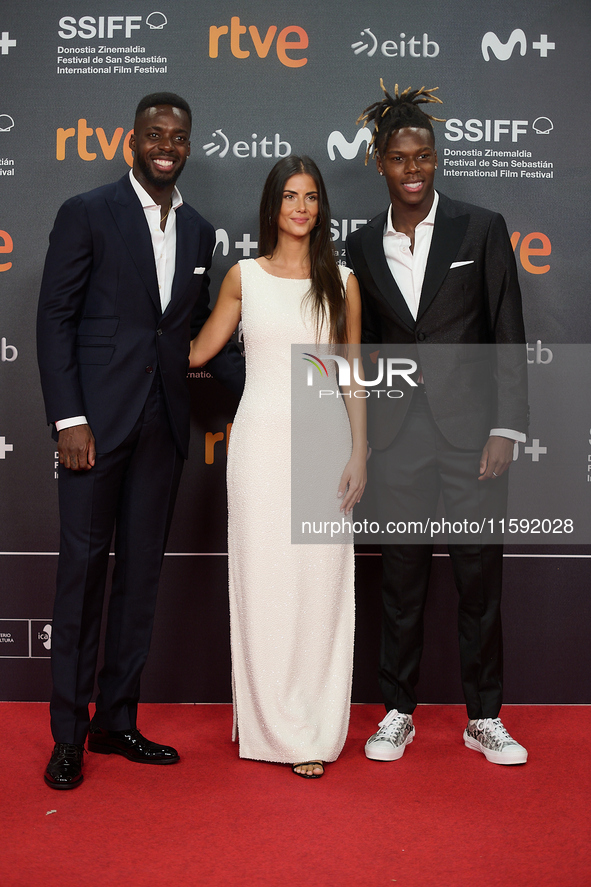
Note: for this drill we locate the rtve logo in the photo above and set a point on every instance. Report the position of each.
(526, 250)
(6, 246)
(82, 133)
(503, 51)
(284, 47)
(211, 439)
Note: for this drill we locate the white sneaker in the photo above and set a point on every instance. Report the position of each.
(490, 737)
(395, 733)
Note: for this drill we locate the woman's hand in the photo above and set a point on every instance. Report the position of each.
(353, 481)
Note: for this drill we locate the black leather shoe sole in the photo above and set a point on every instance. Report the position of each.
(105, 745)
(63, 786)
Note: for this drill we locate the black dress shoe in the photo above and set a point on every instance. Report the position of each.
(65, 766)
(132, 745)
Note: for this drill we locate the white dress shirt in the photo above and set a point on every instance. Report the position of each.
(164, 246)
(408, 266)
(408, 270)
(163, 242)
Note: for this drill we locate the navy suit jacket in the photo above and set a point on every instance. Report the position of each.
(470, 297)
(101, 332)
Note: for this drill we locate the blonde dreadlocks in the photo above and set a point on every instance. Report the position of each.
(394, 113)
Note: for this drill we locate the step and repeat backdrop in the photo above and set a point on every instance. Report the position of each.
(265, 80)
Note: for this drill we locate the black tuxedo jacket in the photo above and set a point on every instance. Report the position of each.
(101, 331)
(470, 297)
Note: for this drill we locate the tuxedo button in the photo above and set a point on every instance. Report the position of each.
(149, 369)
(158, 332)
(421, 337)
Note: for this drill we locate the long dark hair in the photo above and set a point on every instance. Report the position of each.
(327, 293)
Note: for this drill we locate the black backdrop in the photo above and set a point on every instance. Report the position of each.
(263, 80)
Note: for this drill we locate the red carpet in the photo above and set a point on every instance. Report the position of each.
(442, 815)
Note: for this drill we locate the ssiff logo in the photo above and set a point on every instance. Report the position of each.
(290, 40)
(504, 51)
(45, 636)
(475, 130)
(88, 27)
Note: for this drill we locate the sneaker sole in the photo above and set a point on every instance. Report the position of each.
(496, 757)
(386, 754)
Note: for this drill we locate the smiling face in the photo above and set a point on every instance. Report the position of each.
(408, 165)
(299, 206)
(160, 141)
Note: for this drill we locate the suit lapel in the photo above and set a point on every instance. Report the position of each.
(448, 234)
(187, 246)
(373, 249)
(131, 221)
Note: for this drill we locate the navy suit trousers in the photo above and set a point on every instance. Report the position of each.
(130, 492)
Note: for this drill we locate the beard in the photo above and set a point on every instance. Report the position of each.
(159, 179)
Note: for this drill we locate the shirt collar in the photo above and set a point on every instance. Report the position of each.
(428, 220)
(148, 202)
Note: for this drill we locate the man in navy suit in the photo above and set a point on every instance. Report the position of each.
(125, 288)
(439, 277)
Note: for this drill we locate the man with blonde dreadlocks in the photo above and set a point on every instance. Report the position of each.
(438, 276)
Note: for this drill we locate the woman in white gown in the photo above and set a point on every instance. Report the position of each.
(291, 606)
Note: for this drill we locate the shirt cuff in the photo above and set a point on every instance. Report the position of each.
(69, 423)
(507, 432)
(516, 436)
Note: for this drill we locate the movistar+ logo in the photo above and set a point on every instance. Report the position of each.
(503, 51)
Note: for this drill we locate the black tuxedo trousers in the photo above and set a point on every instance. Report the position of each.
(410, 475)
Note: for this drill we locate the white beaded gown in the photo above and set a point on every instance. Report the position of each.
(292, 610)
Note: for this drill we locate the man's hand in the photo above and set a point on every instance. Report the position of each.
(496, 458)
(76, 448)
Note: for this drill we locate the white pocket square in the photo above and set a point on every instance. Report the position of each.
(199, 271)
(459, 264)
